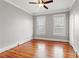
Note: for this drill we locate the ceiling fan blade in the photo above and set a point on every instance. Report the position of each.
(48, 2)
(38, 1)
(32, 2)
(45, 7)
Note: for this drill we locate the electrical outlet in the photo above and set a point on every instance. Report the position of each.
(18, 44)
(76, 54)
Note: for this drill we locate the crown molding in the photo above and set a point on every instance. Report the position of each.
(52, 12)
(41, 13)
(74, 1)
(18, 6)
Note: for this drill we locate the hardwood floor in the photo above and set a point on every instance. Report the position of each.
(40, 49)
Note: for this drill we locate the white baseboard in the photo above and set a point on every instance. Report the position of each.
(7, 48)
(76, 51)
(13, 45)
(62, 40)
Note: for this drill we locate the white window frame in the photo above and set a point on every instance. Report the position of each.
(40, 25)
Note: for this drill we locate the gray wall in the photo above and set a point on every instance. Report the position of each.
(49, 27)
(74, 26)
(16, 26)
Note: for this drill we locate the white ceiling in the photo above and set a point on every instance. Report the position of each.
(56, 6)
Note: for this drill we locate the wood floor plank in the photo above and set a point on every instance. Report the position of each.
(40, 49)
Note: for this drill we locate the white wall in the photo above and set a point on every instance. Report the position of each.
(48, 32)
(74, 26)
(16, 26)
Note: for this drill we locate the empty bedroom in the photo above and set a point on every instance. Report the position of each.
(39, 29)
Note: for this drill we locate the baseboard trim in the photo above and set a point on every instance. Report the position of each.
(7, 48)
(75, 50)
(62, 40)
(14, 45)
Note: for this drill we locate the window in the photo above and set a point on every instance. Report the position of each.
(59, 25)
(40, 25)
